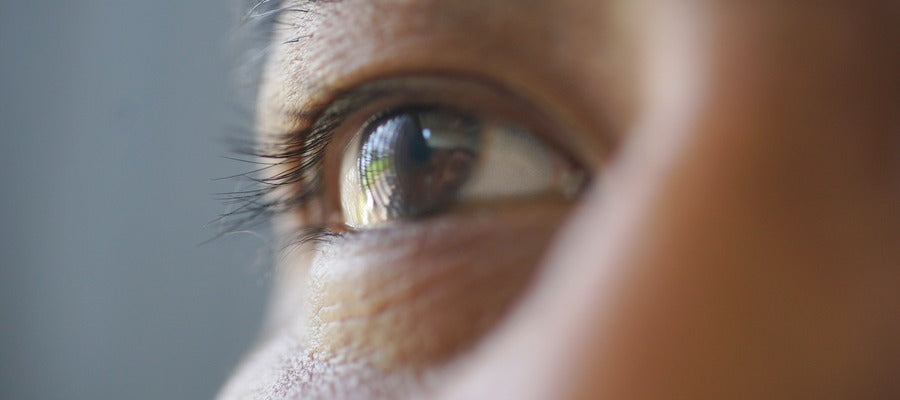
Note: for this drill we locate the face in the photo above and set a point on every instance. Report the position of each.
(580, 199)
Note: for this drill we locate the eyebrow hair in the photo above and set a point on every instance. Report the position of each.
(263, 9)
(264, 15)
(257, 22)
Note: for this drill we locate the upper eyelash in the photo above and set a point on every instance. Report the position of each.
(302, 151)
(258, 201)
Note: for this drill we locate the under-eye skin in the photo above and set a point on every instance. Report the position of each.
(444, 193)
(401, 149)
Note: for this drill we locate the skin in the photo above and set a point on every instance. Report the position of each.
(740, 237)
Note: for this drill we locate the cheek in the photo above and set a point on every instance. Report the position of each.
(416, 296)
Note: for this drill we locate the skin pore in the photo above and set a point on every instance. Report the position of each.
(737, 237)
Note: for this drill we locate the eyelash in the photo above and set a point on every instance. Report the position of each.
(254, 206)
(301, 182)
(249, 208)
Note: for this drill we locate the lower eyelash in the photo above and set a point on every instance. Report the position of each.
(315, 235)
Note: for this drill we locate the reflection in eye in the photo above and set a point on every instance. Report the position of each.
(414, 162)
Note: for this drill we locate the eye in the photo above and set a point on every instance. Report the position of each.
(417, 161)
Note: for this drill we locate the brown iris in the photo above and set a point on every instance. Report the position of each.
(413, 162)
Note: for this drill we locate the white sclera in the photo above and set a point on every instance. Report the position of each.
(513, 163)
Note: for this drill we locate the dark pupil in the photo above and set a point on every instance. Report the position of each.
(413, 162)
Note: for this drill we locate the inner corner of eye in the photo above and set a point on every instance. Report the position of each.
(414, 162)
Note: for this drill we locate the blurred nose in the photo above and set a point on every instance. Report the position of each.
(745, 242)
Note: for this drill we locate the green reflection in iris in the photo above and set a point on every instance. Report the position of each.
(373, 170)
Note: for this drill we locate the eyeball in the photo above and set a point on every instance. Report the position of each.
(415, 162)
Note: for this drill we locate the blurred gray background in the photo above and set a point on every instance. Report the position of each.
(113, 116)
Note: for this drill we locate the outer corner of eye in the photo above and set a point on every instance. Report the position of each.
(417, 161)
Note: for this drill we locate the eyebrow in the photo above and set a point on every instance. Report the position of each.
(266, 9)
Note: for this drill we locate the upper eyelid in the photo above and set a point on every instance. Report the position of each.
(308, 143)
